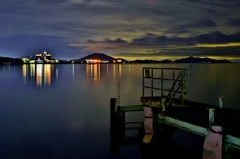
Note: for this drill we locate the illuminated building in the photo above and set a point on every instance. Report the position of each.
(25, 59)
(44, 58)
(96, 61)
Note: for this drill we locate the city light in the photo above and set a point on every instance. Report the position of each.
(96, 61)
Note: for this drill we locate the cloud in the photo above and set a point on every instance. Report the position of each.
(152, 45)
(216, 38)
(100, 3)
(96, 3)
(135, 26)
(76, 1)
(205, 23)
(233, 52)
(152, 40)
(106, 44)
(233, 22)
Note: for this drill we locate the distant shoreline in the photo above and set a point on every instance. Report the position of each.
(191, 59)
(112, 63)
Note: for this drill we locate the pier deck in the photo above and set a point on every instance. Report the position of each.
(228, 118)
(198, 114)
(170, 108)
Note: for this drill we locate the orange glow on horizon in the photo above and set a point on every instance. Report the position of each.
(218, 45)
(96, 61)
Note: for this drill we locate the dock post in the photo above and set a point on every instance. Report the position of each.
(113, 135)
(119, 119)
(221, 101)
(211, 116)
(121, 125)
(113, 103)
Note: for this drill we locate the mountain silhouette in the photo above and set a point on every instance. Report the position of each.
(99, 56)
(192, 59)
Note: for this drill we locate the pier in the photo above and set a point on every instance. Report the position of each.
(167, 112)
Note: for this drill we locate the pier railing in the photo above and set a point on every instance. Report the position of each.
(168, 84)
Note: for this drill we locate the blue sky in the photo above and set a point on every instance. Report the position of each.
(130, 29)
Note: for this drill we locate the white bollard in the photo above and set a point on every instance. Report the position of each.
(221, 101)
(163, 105)
(211, 115)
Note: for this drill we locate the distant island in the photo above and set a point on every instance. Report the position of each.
(101, 58)
(189, 59)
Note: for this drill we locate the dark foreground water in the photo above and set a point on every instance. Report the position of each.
(62, 111)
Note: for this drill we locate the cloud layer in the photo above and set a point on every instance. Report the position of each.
(130, 29)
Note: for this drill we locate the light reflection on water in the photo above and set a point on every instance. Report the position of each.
(42, 73)
(62, 111)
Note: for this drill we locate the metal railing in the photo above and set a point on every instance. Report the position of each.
(165, 83)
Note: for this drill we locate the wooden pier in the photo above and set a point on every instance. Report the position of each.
(164, 95)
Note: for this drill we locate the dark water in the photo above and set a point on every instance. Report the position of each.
(62, 111)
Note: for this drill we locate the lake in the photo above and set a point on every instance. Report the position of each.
(62, 111)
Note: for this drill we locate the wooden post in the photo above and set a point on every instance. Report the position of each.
(112, 110)
(113, 135)
(117, 120)
(121, 125)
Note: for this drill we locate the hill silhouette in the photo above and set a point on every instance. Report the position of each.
(189, 59)
(9, 60)
(192, 59)
(99, 56)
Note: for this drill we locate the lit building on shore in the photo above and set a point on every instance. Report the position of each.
(44, 58)
(103, 61)
(96, 61)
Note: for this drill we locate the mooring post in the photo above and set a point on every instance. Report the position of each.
(117, 118)
(113, 135)
(121, 125)
(221, 101)
(211, 115)
(113, 102)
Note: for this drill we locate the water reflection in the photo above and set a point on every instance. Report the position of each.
(93, 72)
(73, 71)
(77, 114)
(97, 72)
(39, 74)
(43, 75)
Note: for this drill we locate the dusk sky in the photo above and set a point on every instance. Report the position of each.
(130, 29)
